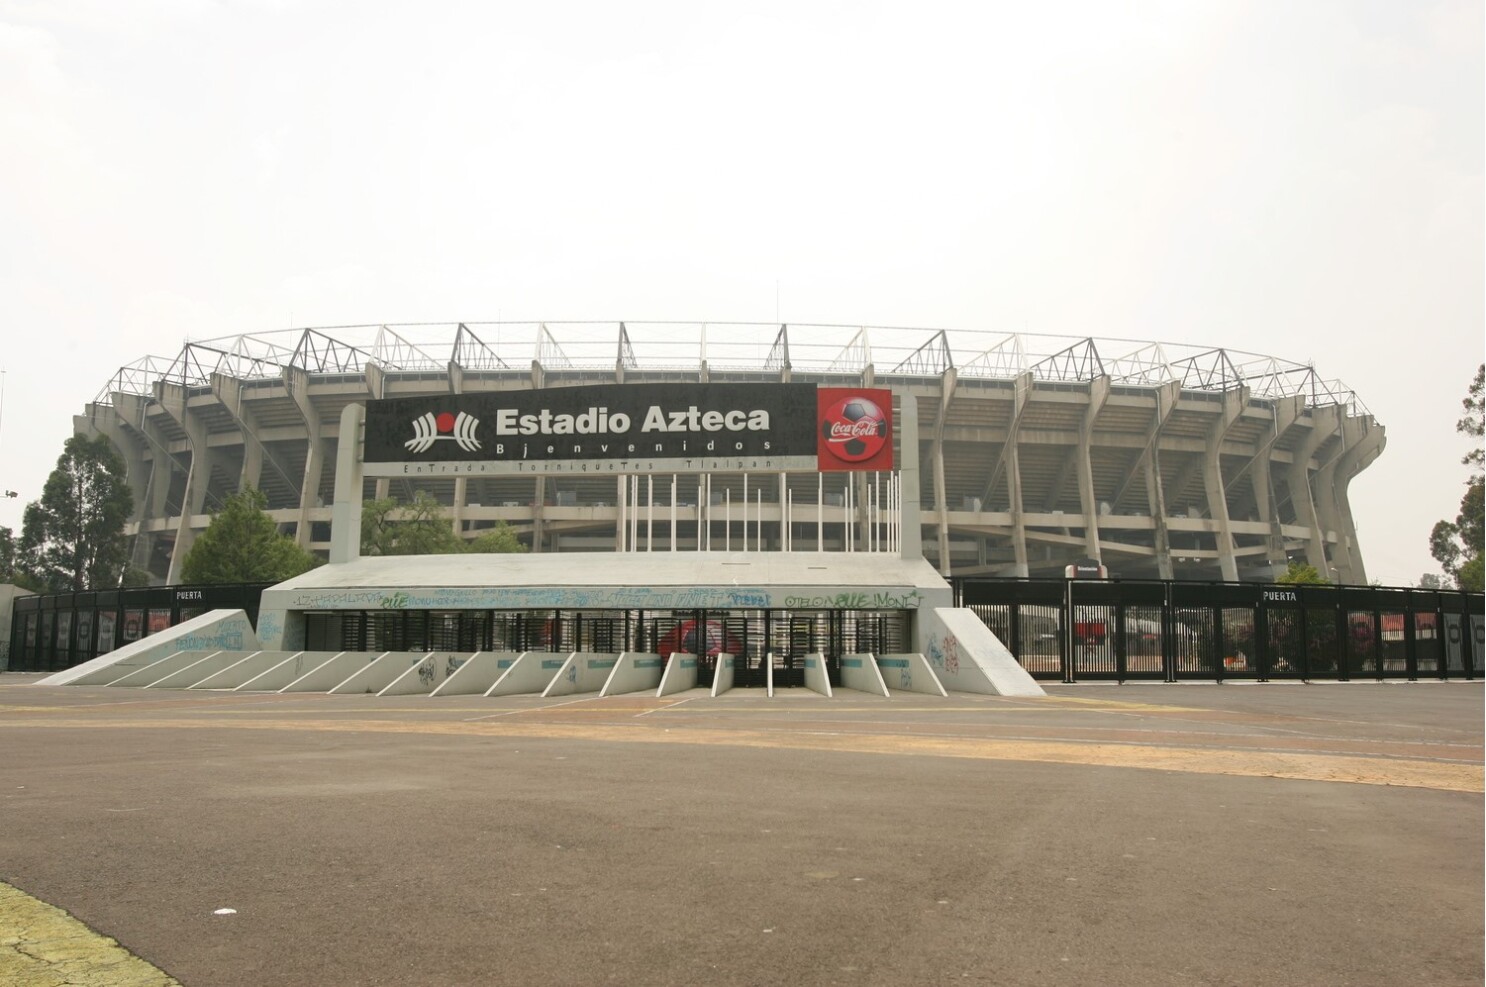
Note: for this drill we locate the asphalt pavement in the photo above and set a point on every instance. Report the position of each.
(1114, 835)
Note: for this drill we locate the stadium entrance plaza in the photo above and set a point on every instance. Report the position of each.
(1161, 834)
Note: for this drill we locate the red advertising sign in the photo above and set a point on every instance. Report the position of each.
(855, 429)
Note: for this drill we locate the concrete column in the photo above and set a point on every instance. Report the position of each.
(1087, 502)
(1323, 424)
(1018, 523)
(172, 397)
(1234, 402)
(345, 513)
(1357, 458)
(461, 483)
(1360, 444)
(132, 409)
(298, 382)
(912, 543)
(941, 497)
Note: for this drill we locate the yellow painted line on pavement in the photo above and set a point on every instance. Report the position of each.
(43, 946)
(1401, 772)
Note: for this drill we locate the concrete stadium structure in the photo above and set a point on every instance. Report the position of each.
(1160, 460)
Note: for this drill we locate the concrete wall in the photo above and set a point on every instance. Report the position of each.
(680, 675)
(636, 671)
(860, 672)
(910, 673)
(967, 657)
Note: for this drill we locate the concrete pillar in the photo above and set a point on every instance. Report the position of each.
(1087, 502)
(1323, 424)
(172, 397)
(941, 497)
(298, 382)
(345, 512)
(912, 543)
(1234, 402)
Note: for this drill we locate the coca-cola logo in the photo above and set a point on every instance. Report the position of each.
(854, 429)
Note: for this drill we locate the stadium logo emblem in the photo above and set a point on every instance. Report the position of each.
(854, 429)
(431, 428)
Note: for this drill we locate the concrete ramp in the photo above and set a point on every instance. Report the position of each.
(195, 672)
(274, 678)
(139, 678)
(476, 676)
(372, 679)
(329, 674)
(722, 678)
(531, 673)
(584, 671)
(680, 674)
(427, 675)
(239, 672)
(967, 657)
(215, 630)
(909, 673)
(860, 672)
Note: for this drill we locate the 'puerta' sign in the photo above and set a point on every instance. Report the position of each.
(632, 428)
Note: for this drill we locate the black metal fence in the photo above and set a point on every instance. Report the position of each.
(1085, 630)
(59, 630)
(1069, 631)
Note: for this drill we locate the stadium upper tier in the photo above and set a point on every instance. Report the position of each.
(1160, 459)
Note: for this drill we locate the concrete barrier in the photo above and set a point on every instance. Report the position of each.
(205, 668)
(531, 673)
(722, 679)
(635, 671)
(215, 630)
(816, 677)
(584, 671)
(680, 674)
(275, 678)
(860, 672)
(239, 672)
(910, 673)
(967, 657)
(373, 678)
(476, 676)
(427, 675)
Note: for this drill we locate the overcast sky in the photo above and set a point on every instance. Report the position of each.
(1299, 179)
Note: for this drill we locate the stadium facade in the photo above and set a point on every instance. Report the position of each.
(1159, 460)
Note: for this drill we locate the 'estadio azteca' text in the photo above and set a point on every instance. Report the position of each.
(598, 421)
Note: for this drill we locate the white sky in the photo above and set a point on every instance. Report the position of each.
(1298, 179)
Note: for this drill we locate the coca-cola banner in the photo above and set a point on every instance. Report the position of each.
(856, 428)
(632, 428)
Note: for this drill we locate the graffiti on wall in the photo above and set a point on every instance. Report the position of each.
(944, 653)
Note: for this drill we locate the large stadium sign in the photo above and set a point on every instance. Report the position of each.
(632, 428)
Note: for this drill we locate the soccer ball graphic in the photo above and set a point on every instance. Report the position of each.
(855, 410)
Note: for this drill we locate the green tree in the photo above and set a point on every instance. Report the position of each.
(1302, 573)
(1458, 545)
(72, 539)
(243, 545)
(390, 527)
(501, 538)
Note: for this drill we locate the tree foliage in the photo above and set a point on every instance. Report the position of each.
(501, 538)
(1457, 545)
(1302, 573)
(391, 527)
(243, 545)
(72, 539)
